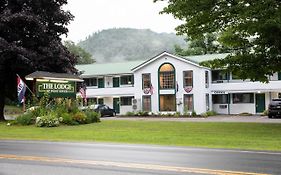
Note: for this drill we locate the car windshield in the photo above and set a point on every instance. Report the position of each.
(94, 106)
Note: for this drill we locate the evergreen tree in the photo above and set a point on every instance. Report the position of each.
(83, 57)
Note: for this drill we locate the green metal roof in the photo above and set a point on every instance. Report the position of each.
(108, 68)
(125, 67)
(208, 57)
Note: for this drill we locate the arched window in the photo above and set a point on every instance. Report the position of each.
(167, 76)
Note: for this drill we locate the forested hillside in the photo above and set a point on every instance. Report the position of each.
(115, 45)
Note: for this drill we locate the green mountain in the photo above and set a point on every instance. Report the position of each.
(114, 45)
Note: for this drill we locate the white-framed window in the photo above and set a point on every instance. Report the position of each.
(188, 78)
(167, 76)
(220, 99)
(127, 80)
(126, 101)
(91, 81)
(206, 79)
(243, 98)
(219, 75)
(146, 103)
(146, 81)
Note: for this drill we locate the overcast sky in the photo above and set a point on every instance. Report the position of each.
(96, 15)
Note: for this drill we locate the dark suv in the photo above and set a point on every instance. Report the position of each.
(104, 110)
(274, 108)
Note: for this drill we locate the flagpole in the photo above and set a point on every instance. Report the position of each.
(23, 105)
(27, 86)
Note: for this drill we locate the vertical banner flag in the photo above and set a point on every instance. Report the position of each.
(21, 89)
(151, 89)
(82, 91)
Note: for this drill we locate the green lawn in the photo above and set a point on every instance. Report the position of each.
(254, 136)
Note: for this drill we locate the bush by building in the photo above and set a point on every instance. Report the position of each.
(53, 112)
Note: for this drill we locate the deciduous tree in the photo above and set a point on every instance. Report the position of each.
(208, 44)
(30, 40)
(251, 28)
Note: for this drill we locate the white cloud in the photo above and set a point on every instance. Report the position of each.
(96, 15)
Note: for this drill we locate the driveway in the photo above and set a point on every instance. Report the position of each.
(218, 118)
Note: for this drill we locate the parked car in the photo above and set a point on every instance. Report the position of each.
(104, 110)
(274, 108)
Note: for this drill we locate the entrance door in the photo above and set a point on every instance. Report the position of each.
(260, 103)
(100, 83)
(100, 101)
(116, 82)
(167, 102)
(116, 105)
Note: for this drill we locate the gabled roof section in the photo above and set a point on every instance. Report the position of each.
(193, 60)
(165, 53)
(53, 76)
(128, 67)
(99, 69)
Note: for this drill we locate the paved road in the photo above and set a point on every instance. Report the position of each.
(32, 157)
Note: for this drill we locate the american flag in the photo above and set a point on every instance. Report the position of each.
(82, 91)
(21, 86)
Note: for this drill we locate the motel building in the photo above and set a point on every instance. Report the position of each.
(168, 83)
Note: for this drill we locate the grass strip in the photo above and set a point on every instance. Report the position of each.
(254, 136)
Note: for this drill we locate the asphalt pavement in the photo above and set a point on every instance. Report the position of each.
(39, 157)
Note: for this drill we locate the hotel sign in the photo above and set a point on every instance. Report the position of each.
(56, 89)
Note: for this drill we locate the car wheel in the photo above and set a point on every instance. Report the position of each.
(270, 116)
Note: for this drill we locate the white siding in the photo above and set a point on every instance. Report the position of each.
(199, 91)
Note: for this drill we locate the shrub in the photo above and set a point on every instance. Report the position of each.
(49, 120)
(186, 112)
(204, 114)
(193, 114)
(265, 113)
(67, 119)
(60, 109)
(39, 111)
(245, 114)
(44, 101)
(142, 113)
(25, 119)
(177, 114)
(92, 117)
(80, 117)
(130, 114)
(211, 113)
